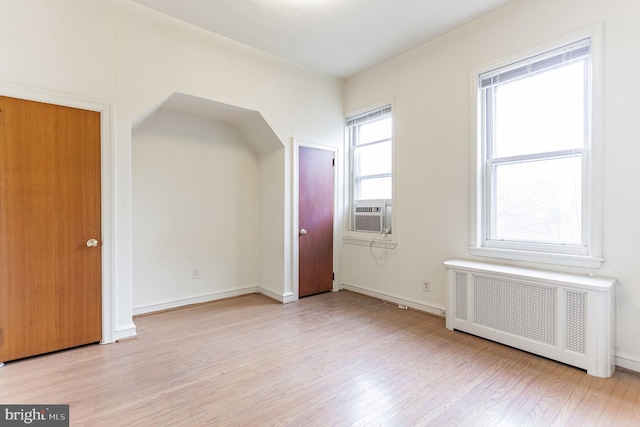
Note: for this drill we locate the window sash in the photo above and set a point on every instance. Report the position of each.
(357, 177)
(579, 51)
(490, 201)
(353, 124)
(365, 179)
(359, 151)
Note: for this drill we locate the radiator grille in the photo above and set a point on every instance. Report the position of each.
(576, 328)
(519, 308)
(562, 316)
(460, 282)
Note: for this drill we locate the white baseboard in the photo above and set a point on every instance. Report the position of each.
(437, 310)
(286, 298)
(628, 361)
(195, 300)
(127, 332)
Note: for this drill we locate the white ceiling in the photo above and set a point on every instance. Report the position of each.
(337, 37)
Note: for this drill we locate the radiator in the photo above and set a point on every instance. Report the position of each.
(565, 317)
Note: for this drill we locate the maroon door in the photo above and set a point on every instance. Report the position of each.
(315, 250)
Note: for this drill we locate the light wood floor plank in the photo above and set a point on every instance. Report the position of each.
(334, 359)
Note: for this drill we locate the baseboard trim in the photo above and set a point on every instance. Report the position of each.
(286, 298)
(431, 309)
(195, 300)
(128, 332)
(627, 361)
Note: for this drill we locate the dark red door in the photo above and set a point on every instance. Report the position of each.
(315, 250)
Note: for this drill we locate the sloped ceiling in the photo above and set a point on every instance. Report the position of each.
(250, 124)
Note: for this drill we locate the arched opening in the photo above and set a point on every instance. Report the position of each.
(200, 202)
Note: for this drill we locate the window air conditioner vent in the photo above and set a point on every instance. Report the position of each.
(371, 215)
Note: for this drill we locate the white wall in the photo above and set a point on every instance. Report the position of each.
(160, 56)
(433, 144)
(273, 247)
(122, 54)
(127, 56)
(195, 205)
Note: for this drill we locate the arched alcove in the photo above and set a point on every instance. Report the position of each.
(204, 175)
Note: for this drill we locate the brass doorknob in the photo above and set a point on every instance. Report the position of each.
(92, 243)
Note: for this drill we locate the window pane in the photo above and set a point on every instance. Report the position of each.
(374, 131)
(539, 201)
(541, 113)
(373, 159)
(374, 188)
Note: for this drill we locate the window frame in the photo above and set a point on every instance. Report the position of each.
(362, 237)
(588, 253)
(352, 130)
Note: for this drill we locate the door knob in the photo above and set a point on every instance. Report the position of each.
(303, 231)
(92, 243)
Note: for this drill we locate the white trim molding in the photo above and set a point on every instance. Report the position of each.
(588, 256)
(128, 331)
(435, 309)
(350, 236)
(373, 241)
(285, 298)
(541, 257)
(628, 361)
(295, 216)
(194, 300)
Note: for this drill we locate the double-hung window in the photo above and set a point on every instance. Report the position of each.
(534, 155)
(370, 138)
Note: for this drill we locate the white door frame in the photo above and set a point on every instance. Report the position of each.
(295, 277)
(106, 187)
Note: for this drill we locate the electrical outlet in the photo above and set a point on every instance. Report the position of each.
(426, 286)
(195, 273)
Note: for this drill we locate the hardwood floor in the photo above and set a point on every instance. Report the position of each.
(332, 359)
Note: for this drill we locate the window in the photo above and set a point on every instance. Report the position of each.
(534, 155)
(370, 137)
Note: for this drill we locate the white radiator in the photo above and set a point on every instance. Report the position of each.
(565, 317)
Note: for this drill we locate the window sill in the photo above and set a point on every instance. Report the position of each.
(541, 257)
(364, 241)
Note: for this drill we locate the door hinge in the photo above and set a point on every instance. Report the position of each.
(333, 276)
(333, 162)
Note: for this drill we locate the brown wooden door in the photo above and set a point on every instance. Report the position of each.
(50, 280)
(316, 195)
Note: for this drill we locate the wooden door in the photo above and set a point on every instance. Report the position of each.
(316, 196)
(50, 280)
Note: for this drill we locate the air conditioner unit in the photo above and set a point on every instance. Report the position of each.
(371, 215)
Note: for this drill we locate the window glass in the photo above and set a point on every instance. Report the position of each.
(541, 113)
(374, 188)
(539, 201)
(373, 159)
(374, 131)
